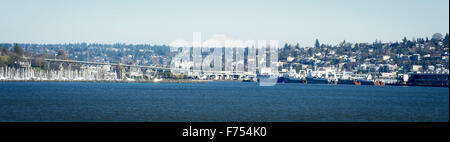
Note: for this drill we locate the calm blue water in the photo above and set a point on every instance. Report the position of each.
(221, 101)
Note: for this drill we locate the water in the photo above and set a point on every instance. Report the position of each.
(221, 101)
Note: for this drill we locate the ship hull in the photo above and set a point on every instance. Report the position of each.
(346, 81)
(316, 81)
(433, 80)
(293, 80)
(366, 82)
(267, 80)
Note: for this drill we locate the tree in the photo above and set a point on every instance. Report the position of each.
(62, 55)
(18, 50)
(297, 46)
(5, 51)
(436, 36)
(405, 40)
(445, 40)
(286, 46)
(317, 45)
(37, 62)
(120, 71)
(4, 60)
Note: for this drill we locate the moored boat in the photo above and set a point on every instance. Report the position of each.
(293, 80)
(436, 80)
(314, 80)
(378, 83)
(247, 80)
(267, 80)
(346, 81)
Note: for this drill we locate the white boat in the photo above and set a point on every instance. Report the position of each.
(267, 78)
(157, 79)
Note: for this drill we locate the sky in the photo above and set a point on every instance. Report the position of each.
(163, 21)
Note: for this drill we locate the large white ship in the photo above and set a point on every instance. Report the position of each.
(267, 78)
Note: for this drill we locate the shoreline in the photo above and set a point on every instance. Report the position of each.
(171, 81)
(125, 81)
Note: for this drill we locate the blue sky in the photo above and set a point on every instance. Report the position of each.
(162, 21)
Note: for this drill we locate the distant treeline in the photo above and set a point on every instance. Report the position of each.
(142, 54)
(15, 57)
